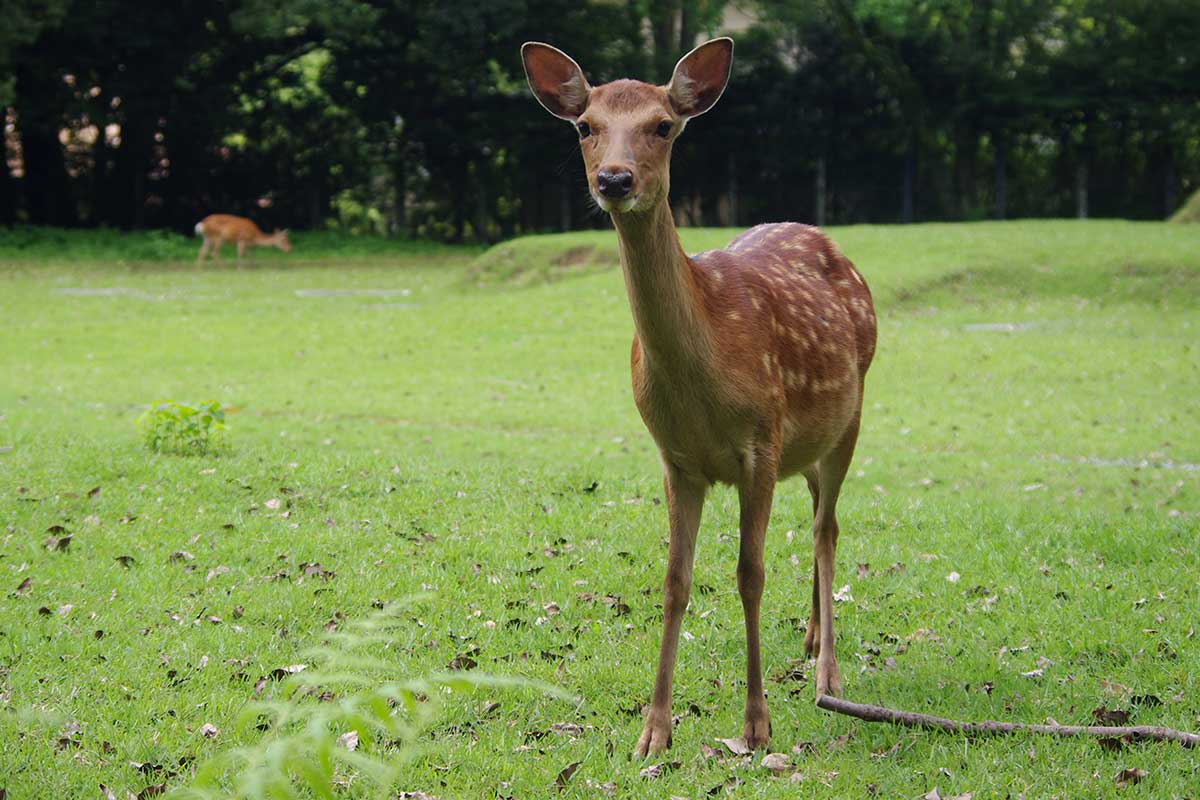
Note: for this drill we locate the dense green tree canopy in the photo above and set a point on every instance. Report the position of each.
(411, 116)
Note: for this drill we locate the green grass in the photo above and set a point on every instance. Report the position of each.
(1031, 424)
(28, 246)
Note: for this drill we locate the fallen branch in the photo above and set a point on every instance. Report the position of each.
(910, 719)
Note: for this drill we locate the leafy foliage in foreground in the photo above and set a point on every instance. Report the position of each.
(351, 716)
(171, 426)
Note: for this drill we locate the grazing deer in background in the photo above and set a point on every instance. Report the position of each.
(748, 362)
(217, 229)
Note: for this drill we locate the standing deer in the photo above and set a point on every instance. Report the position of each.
(748, 362)
(217, 229)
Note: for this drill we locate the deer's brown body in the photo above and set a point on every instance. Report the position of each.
(748, 362)
(219, 229)
(783, 293)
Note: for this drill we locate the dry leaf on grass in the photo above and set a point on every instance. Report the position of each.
(567, 729)
(1110, 716)
(1130, 776)
(656, 770)
(58, 543)
(737, 746)
(776, 762)
(564, 775)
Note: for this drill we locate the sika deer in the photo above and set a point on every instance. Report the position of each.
(748, 362)
(217, 229)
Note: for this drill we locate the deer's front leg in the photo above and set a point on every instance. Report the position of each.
(755, 493)
(685, 499)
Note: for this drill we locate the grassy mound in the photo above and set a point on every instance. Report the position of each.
(532, 260)
(1189, 211)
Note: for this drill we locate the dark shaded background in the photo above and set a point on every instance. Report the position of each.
(412, 118)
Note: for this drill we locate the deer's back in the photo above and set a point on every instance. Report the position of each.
(811, 288)
(229, 228)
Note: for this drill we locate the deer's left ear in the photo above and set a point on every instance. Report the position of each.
(700, 77)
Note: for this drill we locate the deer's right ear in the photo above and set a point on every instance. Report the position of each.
(556, 80)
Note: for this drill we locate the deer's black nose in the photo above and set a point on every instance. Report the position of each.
(614, 184)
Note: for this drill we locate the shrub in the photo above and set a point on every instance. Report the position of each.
(170, 426)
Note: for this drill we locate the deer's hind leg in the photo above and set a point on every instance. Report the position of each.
(812, 633)
(831, 471)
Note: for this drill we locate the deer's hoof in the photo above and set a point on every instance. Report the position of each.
(828, 680)
(757, 733)
(655, 738)
(812, 639)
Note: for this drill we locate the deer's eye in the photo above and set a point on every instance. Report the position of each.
(584, 129)
(663, 130)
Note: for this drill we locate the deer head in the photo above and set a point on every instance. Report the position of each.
(280, 239)
(626, 127)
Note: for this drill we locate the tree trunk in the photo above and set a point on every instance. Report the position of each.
(482, 217)
(822, 195)
(734, 198)
(131, 162)
(399, 221)
(45, 185)
(1081, 189)
(8, 191)
(1000, 143)
(910, 169)
(564, 206)
(138, 199)
(45, 179)
(965, 154)
(635, 23)
(1170, 199)
(313, 203)
(663, 16)
(687, 25)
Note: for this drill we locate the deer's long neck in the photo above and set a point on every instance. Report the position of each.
(663, 289)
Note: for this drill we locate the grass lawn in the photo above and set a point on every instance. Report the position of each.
(1019, 529)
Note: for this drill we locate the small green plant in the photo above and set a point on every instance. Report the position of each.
(347, 719)
(170, 426)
